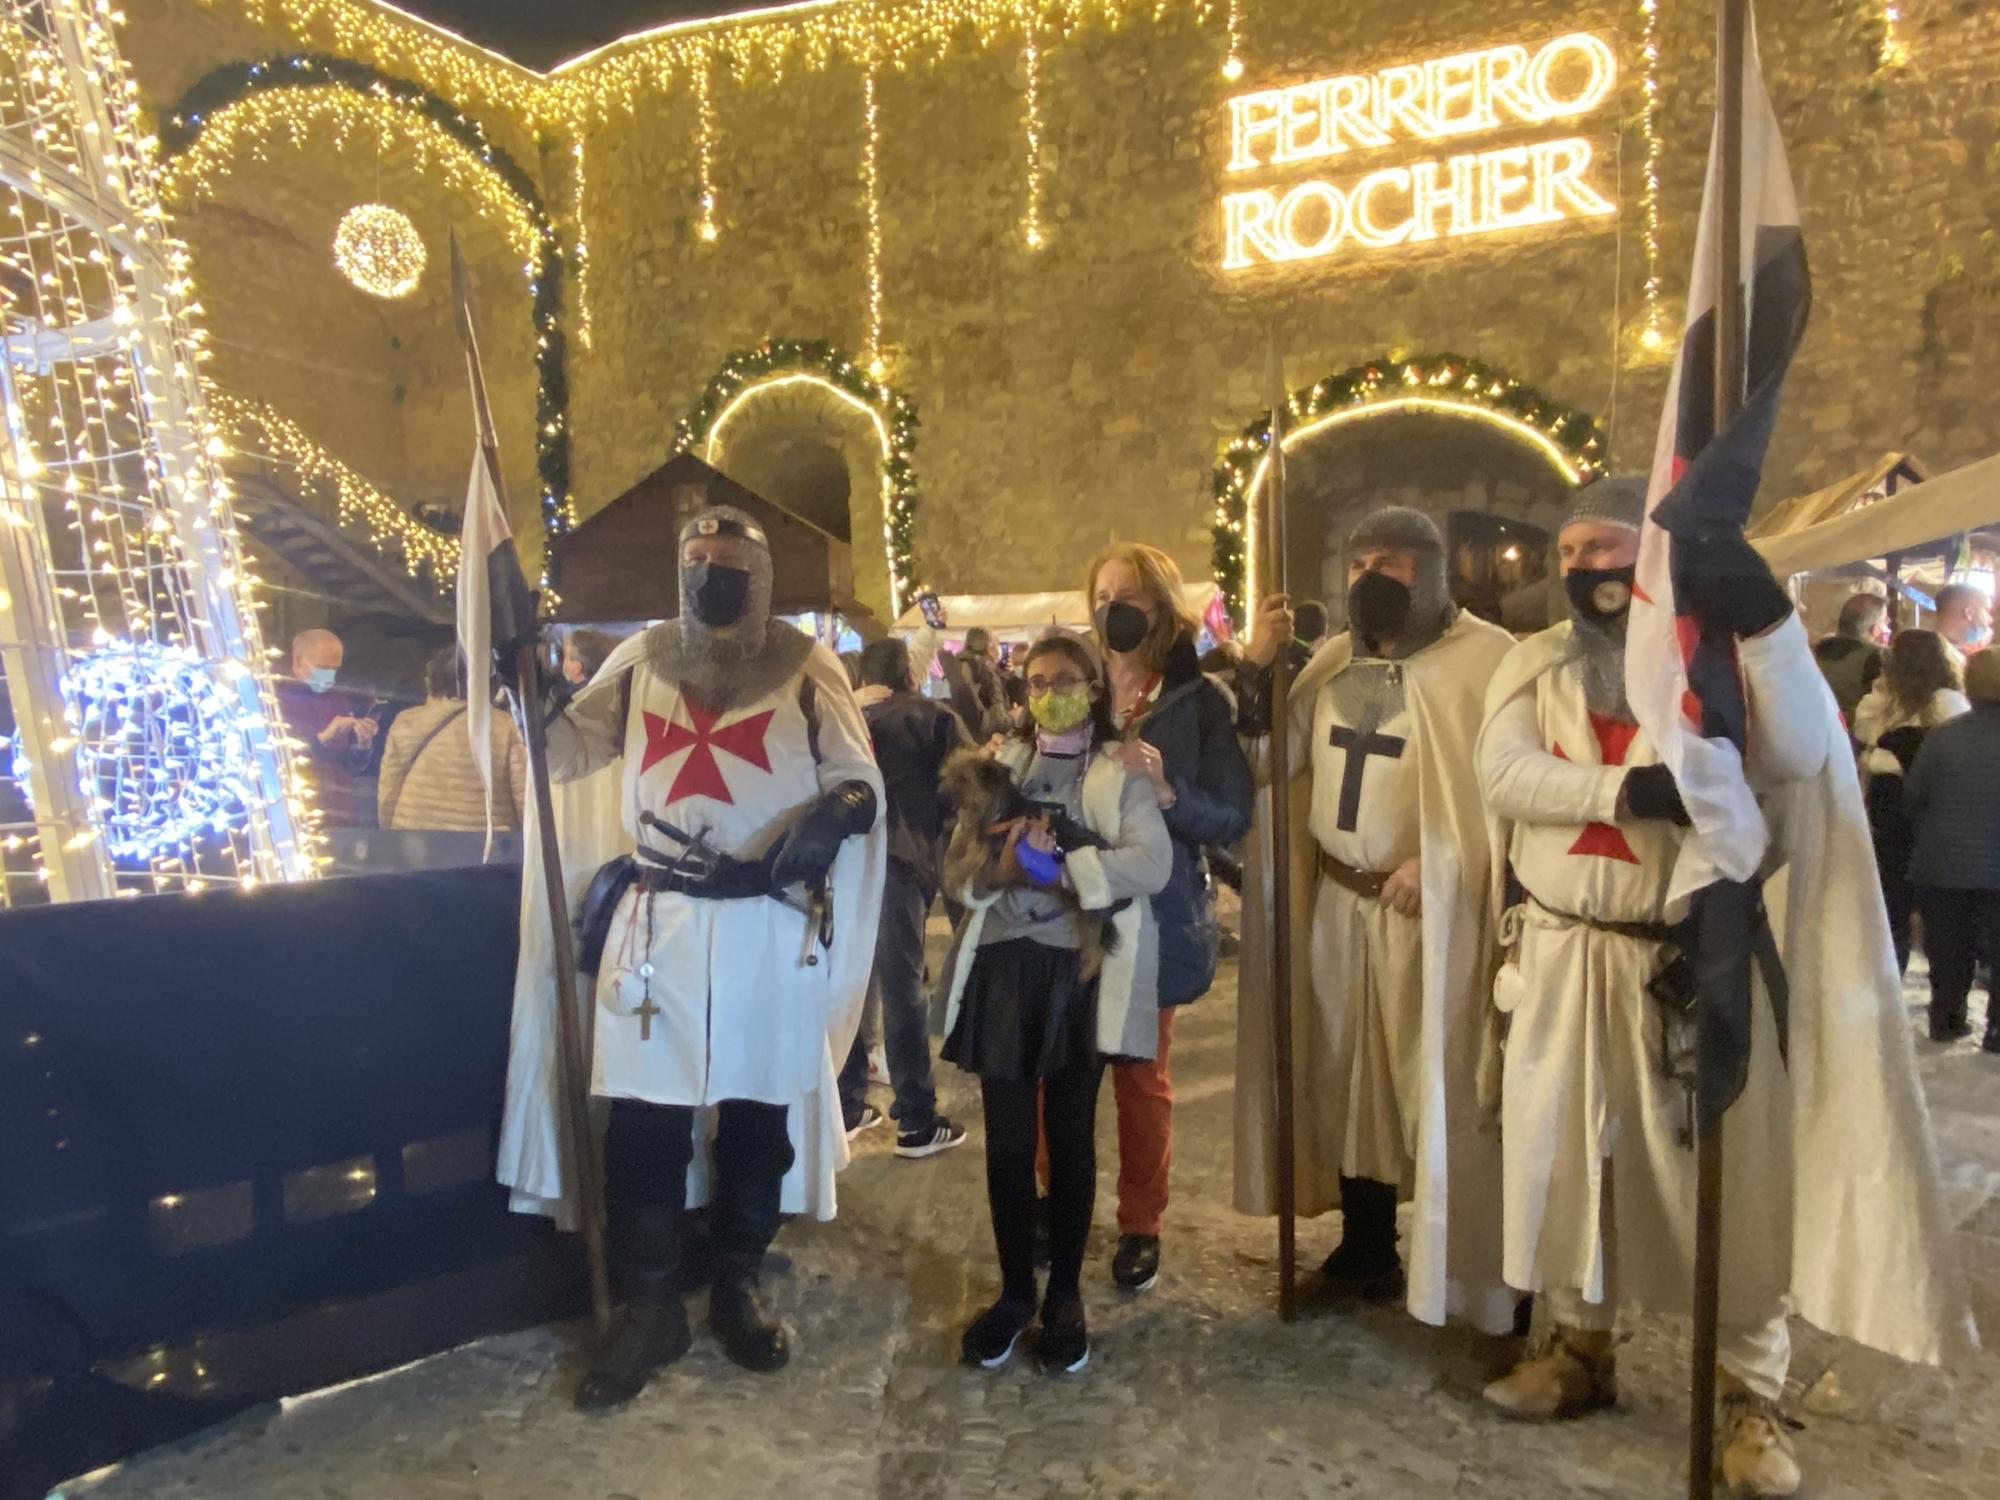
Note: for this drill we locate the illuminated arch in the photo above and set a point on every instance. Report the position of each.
(779, 363)
(231, 106)
(1445, 384)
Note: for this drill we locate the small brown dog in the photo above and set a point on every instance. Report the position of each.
(992, 811)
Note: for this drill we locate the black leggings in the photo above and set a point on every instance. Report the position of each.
(1069, 1109)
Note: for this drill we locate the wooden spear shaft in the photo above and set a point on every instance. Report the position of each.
(1281, 859)
(1731, 17)
(573, 1061)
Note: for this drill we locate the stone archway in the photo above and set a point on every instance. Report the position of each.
(1488, 458)
(801, 443)
(804, 426)
(1490, 493)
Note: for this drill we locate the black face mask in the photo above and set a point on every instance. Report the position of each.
(1378, 606)
(1122, 626)
(1599, 596)
(715, 593)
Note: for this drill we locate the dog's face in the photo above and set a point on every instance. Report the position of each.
(975, 783)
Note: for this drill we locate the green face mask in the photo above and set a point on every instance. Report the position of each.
(1060, 712)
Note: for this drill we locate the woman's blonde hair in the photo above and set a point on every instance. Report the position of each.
(1160, 580)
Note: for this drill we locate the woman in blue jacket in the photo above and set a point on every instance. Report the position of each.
(1178, 729)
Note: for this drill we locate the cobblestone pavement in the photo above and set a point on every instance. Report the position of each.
(1193, 1390)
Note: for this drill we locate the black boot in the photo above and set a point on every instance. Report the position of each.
(752, 1155)
(1364, 1268)
(751, 1333)
(650, 1333)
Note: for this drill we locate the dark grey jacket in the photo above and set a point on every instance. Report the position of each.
(1953, 797)
(1192, 725)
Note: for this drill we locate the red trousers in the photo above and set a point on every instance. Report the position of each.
(1145, 1095)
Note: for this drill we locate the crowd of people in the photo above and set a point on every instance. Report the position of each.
(1493, 1015)
(1933, 802)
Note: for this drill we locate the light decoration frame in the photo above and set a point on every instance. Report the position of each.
(777, 363)
(581, 189)
(119, 555)
(1445, 384)
(256, 430)
(707, 226)
(1892, 51)
(1653, 339)
(1033, 234)
(238, 104)
(871, 206)
(161, 749)
(379, 249)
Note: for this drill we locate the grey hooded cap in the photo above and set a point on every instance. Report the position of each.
(1617, 498)
(747, 634)
(1431, 610)
(739, 663)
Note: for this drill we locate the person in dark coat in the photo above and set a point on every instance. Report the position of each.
(912, 737)
(1851, 658)
(976, 692)
(1952, 795)
(1179, 733)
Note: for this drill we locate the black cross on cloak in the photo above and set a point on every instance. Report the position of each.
(1359, 747)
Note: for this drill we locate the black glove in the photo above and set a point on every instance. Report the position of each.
(1649, 792)
(806, 852)
(1722, 580)
(1253, 699)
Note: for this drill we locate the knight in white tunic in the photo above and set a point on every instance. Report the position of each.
(731, 950)
(1596, 1123)
(1383, 721)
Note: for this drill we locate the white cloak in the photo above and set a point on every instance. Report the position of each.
(1871, 1257)
(776, 1029)
(1454, 1241)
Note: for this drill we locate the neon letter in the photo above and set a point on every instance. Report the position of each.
(1246, 221)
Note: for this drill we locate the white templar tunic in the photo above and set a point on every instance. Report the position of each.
(740, 1015)
(1595, 1137)
(1364, 1039)
(1386, 1023)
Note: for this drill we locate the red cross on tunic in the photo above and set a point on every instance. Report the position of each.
(1614, 739)
(700, 775)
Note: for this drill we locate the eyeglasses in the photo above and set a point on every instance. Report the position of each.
(1069, 682)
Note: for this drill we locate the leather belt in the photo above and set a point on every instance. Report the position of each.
(1366, 883)
(737, 882)
(1645, 932)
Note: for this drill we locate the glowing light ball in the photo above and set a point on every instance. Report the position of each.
(378, 249)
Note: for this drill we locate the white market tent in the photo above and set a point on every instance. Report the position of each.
(1965, 500)
(1023, 616)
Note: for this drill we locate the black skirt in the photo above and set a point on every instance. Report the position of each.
(1026, 1012)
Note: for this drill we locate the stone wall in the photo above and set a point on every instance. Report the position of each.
(1084, 390)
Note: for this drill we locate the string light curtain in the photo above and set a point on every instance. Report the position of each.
(140, 743)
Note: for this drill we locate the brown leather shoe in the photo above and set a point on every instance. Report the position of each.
(1576, 1373)
(1757, 1458)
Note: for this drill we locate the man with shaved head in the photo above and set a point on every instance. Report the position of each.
(335, 738)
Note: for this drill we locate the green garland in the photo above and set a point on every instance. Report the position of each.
(1443, 377)
(234, 82)
(774, 357)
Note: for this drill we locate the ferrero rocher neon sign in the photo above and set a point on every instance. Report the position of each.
(1513, 186)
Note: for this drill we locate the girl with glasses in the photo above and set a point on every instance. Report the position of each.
(1022, 1011)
